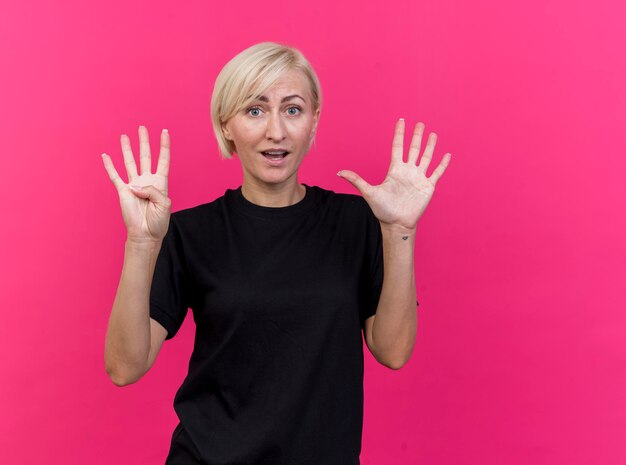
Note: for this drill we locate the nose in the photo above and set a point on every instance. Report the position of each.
(275, 127)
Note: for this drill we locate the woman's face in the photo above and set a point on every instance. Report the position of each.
(282, 120)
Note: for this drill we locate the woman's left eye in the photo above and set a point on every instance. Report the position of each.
(297, 110)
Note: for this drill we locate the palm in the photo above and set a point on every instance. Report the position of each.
(403, 196)
(145, 218)
(141, 216)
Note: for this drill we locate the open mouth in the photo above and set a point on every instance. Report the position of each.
(275, 156)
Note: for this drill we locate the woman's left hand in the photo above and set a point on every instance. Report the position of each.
(406, 191)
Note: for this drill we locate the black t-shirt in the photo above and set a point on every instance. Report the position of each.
(279, 297)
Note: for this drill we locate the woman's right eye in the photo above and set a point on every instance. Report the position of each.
(254, 111)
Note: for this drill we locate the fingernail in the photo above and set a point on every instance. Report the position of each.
(164, 130)
(339, 173)
(135, 187)
(142, 127)
(103, 155)
(401, 119)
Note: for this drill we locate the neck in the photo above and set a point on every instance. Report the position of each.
(275, 196)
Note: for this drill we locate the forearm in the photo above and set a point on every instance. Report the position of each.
(395, 324)
(127, 345)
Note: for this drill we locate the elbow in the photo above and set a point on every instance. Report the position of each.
(120, 379)
(395, 364)
(392, 364)
(121, 373)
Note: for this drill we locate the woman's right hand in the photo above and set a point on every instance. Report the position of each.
(146, 210)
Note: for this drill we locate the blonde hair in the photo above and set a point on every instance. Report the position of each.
(250, 73)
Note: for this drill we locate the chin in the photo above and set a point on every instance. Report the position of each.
(278, 178)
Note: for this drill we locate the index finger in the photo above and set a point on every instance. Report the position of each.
(397, 147)
(163, 167)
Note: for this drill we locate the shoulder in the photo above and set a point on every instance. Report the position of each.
(351, 203)
(194, 222)
(351, 211)
(198, 212)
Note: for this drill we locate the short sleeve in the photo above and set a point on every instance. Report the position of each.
(168, 292)
(372, 275)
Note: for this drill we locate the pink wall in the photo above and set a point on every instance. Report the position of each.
(520, 261)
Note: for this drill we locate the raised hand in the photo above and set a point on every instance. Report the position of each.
(406, 191)
(145, 204)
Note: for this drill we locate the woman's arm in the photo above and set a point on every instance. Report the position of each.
(133, 339)
(128, 351)
(390, 333)
(398, 203)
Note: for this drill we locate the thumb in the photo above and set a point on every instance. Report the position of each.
(354, 179)
(150, 193)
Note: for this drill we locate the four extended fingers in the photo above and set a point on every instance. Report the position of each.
(145, 158)
(428, 153)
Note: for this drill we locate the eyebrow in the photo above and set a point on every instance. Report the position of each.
(263, 98)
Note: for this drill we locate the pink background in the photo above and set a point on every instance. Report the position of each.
(520, 258)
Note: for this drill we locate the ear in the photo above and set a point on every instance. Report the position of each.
(226, 132)
(316, 119)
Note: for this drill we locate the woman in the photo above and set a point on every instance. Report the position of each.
(281, 277)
